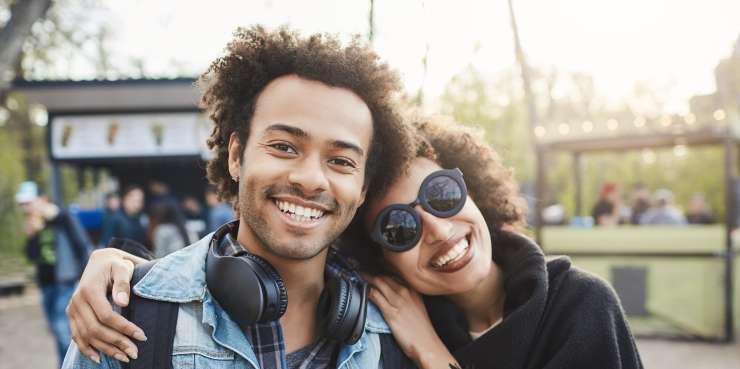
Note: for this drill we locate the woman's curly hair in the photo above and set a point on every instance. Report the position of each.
(255, 57)
(490, 184)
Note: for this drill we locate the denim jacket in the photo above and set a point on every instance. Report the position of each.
(206, 337)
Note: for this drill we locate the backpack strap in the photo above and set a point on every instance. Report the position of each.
(158, 320)
(391, 355)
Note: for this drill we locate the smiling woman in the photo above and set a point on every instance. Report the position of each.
(489, 297)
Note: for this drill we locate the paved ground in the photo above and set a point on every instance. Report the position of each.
(25, 343)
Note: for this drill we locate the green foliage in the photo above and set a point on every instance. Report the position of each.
(497, 106)
(12, 175)
(498, 110)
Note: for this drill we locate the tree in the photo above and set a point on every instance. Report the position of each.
(65, 28)
(23, 14)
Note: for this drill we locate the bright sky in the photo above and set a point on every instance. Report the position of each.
(673, 45)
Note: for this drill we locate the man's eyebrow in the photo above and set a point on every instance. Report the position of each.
(294, 131)
(349, 146)
(297, 132)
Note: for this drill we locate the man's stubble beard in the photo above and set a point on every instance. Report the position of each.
(250, 215)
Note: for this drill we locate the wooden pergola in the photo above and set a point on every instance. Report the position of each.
(724, 136)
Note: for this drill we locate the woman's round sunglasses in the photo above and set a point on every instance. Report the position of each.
(398, 227)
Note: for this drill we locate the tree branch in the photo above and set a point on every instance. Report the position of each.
(23, 14)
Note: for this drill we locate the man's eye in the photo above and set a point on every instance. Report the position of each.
(284, 147)
(342, 162)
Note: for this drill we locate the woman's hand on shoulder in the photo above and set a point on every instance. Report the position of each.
(404, 311)
(94, 324)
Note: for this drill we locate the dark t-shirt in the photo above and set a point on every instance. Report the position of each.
(638, 208)
(321, 355)
(601, 208)
(42, 251)
(122, 225)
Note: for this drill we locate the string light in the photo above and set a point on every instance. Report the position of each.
(612, 124)
(38, 115)
(587, 126)
(639, 122)
(648, 156)
(564, 128)
(680, 150)
(12, 103)
(690, 119)
(540, 131)
(719, 114)
(665, 120)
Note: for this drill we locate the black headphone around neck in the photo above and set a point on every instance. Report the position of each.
(251, 291)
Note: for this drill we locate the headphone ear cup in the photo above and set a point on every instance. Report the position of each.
(342, 310)
(276, 295)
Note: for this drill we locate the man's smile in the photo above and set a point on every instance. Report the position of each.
(298, 213)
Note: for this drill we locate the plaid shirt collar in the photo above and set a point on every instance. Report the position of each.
(269, 348)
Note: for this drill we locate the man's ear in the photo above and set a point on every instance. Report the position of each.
(235, 152)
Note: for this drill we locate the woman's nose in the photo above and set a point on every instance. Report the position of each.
(435, 229)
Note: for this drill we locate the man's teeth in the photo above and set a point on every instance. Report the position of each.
(454, 254)
(299, 213)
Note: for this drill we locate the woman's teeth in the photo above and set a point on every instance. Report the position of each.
(299, 213)
(454, 254)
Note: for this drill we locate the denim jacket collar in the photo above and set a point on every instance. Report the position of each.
(180, 277)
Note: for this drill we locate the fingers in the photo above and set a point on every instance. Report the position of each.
(101, 337)
(102, 313)
(110, 350)
(389, 288)
(121, 273)
(82, 344)
(106, 265)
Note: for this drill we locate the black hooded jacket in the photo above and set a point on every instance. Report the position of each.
(555, 316)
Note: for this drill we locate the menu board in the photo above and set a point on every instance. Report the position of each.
(129, 135)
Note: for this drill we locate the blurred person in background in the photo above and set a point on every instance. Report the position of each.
(159, 192)
(112, 202)
(606, 212)
(127, 221)
(167, 232)
(699, 211)
(111, 205)
(59, 247)
(219, 212)
(664, 213)
(195, 216)
(640, 202)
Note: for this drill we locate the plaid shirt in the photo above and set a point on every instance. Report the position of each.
(267, 338)
(269, 347)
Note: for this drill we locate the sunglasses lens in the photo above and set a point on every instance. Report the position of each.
(443, 193)
(398, 227)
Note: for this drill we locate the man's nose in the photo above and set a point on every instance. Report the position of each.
(435, 229)
(309, 175)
